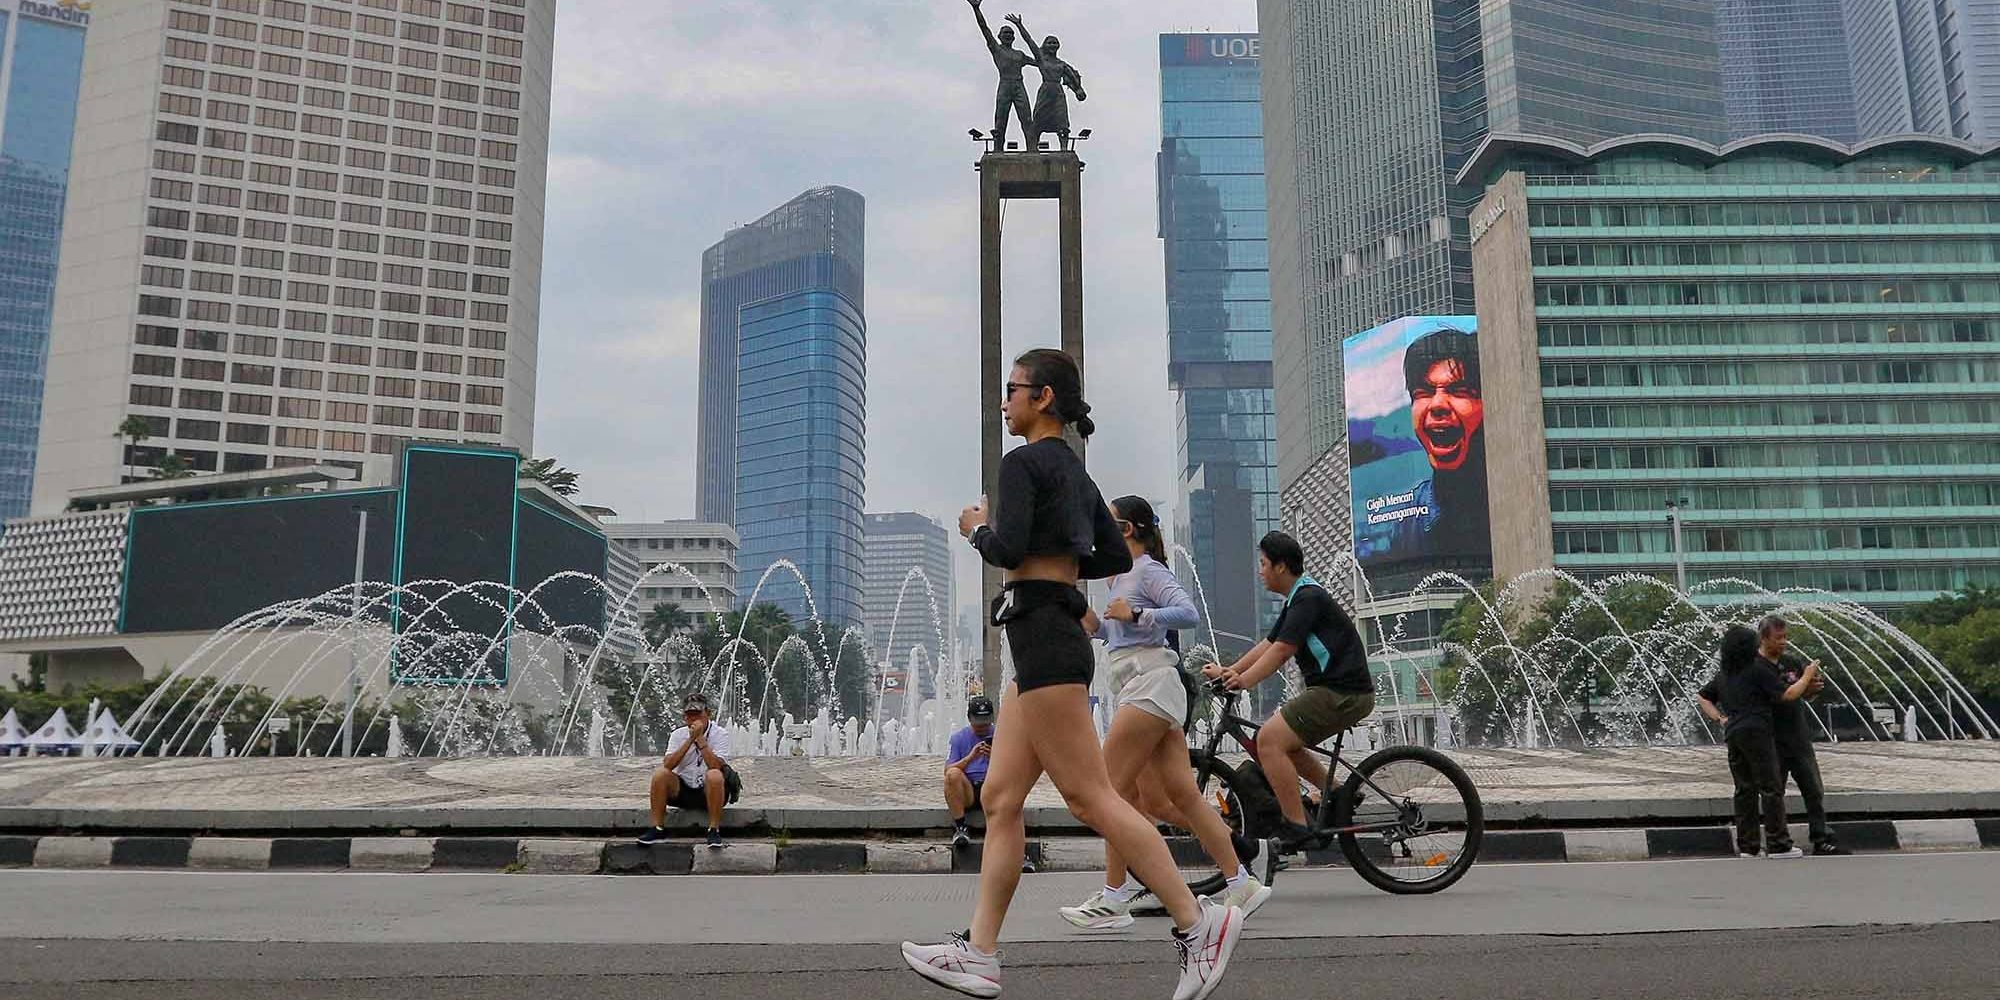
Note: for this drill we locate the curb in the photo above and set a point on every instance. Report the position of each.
(818, 857)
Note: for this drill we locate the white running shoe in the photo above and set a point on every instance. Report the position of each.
(1099, 914)
(954, 965)
(1206, 948)
(1266, 864)
(1247, 895)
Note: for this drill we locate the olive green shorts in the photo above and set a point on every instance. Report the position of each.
(1318, 713)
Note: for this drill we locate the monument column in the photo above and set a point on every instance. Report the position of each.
(1005, 176)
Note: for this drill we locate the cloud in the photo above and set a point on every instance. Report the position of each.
(673, 122)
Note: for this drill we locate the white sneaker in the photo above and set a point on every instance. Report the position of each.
(1793, 853)
(1206, 948)
(1742, 854)
(954, 965)
(1266, 864)
(1099, 913)
(1247, 895)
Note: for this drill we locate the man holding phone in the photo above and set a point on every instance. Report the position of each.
(970, 749)
(695, 775)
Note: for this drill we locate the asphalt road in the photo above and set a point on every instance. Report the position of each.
(1888, 926)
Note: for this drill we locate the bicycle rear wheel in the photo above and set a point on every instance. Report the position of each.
(1433, 816)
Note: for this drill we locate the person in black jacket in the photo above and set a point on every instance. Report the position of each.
(1744, 698)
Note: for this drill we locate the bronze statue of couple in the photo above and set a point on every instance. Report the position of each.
(1051, 112)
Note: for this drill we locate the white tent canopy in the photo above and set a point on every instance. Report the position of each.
(103, 735)
(11, 733)
(55, 734)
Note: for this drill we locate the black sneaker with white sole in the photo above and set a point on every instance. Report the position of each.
(714, 839)
(655, 835)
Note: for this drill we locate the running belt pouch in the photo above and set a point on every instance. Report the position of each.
(1261, 815)
(1015, 601)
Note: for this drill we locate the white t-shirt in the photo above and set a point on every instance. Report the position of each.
(693, 771)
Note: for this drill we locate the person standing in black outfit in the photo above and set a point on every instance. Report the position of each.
(1791, 729)
(1745, 698)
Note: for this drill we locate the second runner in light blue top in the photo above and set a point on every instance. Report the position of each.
(1158, 600)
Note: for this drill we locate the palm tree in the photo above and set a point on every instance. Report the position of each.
(551, 475)
(665, 620)
(174, 467)
(135, 429)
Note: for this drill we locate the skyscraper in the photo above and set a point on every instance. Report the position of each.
(1925, 66)
(1212, 221)
(899, 606)
(1370, 109)
(783, 399)
(41, 62)
(1785, 67)
(305, 234)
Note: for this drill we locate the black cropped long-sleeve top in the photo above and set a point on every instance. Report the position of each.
(1048, 505)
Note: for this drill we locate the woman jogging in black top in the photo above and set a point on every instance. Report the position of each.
(1051, 528)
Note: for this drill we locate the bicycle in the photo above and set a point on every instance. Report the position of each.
(1417, 839)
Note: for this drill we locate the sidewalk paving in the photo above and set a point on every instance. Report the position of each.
(542, 796)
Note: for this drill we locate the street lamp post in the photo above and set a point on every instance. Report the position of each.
(1674, 508)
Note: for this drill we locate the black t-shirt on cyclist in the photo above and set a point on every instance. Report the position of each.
(1330, 653)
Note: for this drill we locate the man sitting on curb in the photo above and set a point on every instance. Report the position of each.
(966, 774)
(695, 774)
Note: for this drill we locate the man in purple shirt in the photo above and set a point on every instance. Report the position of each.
(970, 748)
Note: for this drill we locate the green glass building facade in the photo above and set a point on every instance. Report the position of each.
(1796, 341)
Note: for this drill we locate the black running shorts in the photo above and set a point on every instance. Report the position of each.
(1042, 635)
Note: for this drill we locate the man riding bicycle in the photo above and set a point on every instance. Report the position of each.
(1313, 631)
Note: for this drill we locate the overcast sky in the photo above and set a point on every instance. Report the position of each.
(675, 121)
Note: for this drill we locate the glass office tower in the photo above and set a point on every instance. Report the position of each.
(41, 64)
(814, 241)
(1785, 67)
(783, 400)
(1212, 220)
(801, 411)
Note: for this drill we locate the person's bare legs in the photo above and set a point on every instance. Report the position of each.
(1282, 753)
(1011, 771)
(1176, 776)
(1065, 743)
(716, 791)
(957, 793)
(666, 785)
(1128, 749)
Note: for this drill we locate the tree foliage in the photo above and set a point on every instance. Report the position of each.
(551, 475)
(1963, 631)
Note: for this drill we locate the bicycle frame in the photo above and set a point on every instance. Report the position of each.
(1244, 731)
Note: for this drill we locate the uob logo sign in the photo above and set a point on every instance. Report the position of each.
(1234, 47)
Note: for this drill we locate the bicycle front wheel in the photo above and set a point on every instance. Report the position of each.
(1428, 817)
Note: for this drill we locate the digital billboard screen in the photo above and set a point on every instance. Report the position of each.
(546, 545)
(457, 528)
(1417, 445)
(199, 566)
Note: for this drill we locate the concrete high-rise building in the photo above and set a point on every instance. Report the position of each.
(784, 354)
(41, 62)
(1786, 67)
(300, 233)
(707, 551)
(1212, 222)
(1370, 109)
(1925, 66)
(892, 546)
(1796, 342)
